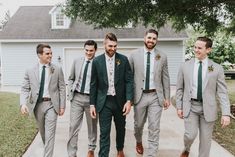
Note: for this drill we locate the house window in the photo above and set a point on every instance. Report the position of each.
(59, 19)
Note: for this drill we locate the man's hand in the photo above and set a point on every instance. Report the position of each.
(61, 112)
(180, 114)
(225, 121)
(24, 109)
(166, 104)
(126, 108)
(92, 111)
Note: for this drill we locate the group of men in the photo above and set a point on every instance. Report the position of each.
(105, 87)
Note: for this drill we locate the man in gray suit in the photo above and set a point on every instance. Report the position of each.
(43, 92)
(151, 91)
(79, 89)
(200, 81)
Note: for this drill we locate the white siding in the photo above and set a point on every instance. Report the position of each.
(17, 57)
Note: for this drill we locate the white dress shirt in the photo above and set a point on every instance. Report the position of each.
(88, 77)
(110, 66)
(152, 58)
(195, 75)
(46, 83)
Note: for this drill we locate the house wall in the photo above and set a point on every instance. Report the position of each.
(17, 57)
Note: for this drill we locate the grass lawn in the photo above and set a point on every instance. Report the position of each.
(16, 131)
(226, 137)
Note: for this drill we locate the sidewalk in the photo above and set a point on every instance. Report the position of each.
(171, 138)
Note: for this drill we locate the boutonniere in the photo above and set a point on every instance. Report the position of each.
(210, 68)
(118, 61)
(52, 69)
(158, 56)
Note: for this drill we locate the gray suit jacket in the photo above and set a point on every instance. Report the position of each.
(161, 76)
(31, 84)
(213, 85)
(74, 76)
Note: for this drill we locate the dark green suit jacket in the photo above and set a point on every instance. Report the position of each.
(123, 81)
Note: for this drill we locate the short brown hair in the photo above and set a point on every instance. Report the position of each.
(152, 31)
(91, 43)
(41, 46)
(207, 40)
(111, 37)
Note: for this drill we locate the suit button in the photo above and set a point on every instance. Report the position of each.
(143, 80)
(141, 88)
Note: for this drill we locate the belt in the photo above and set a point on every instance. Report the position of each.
(81, 93)
(46, 99)
(197, 100)
(149, 91)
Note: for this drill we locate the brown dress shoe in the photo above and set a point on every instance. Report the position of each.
(184, 154)
(120, 154)
(139, 148)
(90, 153)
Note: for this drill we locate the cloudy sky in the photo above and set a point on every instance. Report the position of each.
(13, 5)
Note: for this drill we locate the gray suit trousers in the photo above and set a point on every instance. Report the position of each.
(194, 122)
(80, 104)
(46, 119)
(148, 107)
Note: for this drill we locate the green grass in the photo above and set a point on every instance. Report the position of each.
(16, 131)
(226, 137)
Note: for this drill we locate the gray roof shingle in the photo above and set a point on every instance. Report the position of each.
(34, 22)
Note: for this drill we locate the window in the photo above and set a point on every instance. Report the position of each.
(59, 19)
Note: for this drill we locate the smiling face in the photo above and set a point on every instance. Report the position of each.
(150, 40)
(90, 51)
(46, 56)
(200, 50)
(110, 47)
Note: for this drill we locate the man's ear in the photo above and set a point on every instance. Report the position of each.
(209, 50)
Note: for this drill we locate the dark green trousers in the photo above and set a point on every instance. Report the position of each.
(111, 109)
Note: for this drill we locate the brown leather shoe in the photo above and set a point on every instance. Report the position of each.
(139, 148)
(120, 154)
(184, 154)
(90, 153)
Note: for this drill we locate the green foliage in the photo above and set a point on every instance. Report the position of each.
(223, 48)
(209, 15)
(16, 131)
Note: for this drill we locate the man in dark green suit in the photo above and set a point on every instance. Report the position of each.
(111, 93)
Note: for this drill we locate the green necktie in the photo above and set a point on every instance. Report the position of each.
(199, 82)
(41, 89)
(147, 72)
(84, 77)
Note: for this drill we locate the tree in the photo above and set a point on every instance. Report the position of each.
(223, 50)
(208, 15)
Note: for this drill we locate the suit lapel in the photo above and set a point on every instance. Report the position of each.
(157, 58)
(140, 58)
(103, 67)
(51, 71)
(36, 73)
(210, 64)
(191, 70)
(79, 67)
(117, 63)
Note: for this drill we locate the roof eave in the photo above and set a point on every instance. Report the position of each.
(83, 40)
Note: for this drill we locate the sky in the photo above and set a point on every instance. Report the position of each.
(13, 5)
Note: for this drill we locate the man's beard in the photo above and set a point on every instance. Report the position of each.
(149, 47)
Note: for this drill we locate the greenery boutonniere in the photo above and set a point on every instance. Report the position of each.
(118, 61)
(158, 56)
(210, 68)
